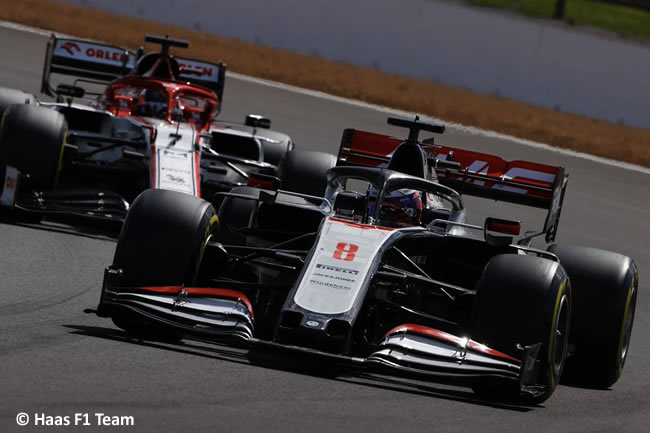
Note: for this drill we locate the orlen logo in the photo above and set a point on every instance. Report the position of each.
(204, 71)
(69, 46)
(72, 48)
(105, 54)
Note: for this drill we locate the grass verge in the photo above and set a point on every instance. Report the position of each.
(623, 20)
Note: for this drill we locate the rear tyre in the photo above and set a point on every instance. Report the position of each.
(32, 139)
(523, 300)
(12, 96)
(274, 150)
(234, 214)
(304, 171)
(605, 286)
(161, 244)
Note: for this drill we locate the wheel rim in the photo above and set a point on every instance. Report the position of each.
(560, 335)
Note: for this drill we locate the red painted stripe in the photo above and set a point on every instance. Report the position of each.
(162, 289)
(206, 291)
(450, 338)
(477, 347)
(429, 332)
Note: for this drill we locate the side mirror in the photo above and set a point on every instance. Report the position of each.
(257, 121)
(264, 181)
(70, 91)
(502, 226)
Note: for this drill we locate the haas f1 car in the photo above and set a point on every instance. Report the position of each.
(153, 126)
(383, 272)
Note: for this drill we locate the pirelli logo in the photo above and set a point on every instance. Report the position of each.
(336, 269)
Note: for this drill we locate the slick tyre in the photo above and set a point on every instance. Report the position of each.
(163, 238)
(161, 244)
(276, 148)
(523, 300)
(235, 214)
(605, 286)
(304, 171)
(12, 96)
(32, 139)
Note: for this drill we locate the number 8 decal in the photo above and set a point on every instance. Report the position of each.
(345, 252)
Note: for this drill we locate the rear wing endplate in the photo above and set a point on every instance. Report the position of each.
(472, 173)
(206, 74)
(87, 59)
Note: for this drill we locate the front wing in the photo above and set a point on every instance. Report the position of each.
(88, 205)
(412, 351)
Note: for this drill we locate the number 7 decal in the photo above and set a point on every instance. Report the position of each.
(345, 252)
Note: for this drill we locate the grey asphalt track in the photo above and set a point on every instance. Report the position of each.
(56, 360)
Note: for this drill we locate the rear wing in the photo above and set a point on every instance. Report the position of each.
(206, 74)
(87, 59)
(472, 173)
(104, 63)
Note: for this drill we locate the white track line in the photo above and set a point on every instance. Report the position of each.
(456, 126)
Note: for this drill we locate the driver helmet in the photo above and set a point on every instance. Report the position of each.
(152, 103)
(401, 208)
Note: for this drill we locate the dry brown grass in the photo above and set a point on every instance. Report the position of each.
(457, 105)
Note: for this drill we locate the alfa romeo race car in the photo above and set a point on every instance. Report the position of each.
(383, 272)
(153, 126)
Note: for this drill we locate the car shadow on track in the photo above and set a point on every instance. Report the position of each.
(357, 376)
(309, 366)
(217, 352)
(93, 231)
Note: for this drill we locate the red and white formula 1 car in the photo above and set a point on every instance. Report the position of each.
(152, 127)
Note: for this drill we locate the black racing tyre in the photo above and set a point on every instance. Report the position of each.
(161, 244)
(605, 286)
(163, 238)
(235, 213)
(13, 96)
(523, 300)
(32, 139)
(274, 150)
(304, 171)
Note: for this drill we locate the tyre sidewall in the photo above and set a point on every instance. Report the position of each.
(32, 139)
(605, 286)
(518, 302)
(163, 239)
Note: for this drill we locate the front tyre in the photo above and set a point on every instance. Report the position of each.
(163, 238)
(523, 300)
(161, 244)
